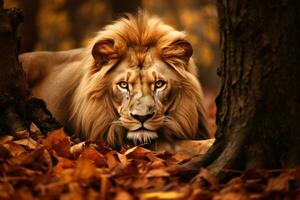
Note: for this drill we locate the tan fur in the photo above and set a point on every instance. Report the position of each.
(81, 87)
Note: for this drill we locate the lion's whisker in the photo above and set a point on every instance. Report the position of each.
(118, 122)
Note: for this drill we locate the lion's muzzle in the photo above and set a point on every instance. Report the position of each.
(142, 118)
(142, 136)
(143, 109)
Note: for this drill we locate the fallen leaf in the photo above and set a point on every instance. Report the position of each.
(200, 193)
(6, 138)
(14, 149)
(157, 173)
(21, 134)
(157, 164)
(123, 159)
(62, 148)
(111, 159)
(77, 148)
(181, 157)
(129, 169)
(54, 137)
(161, 195)
(63, 163)
(104, 187)
(28, 142)
(153, 157)
(123, 195)
(205, 175)
(75, 191)
(231, 196)
(34, 158)
(22, 193)
(281, 182)
(92, 154)
(140, 182)
(137, 152)
(4, 153)
(6, 189)
(84, 169)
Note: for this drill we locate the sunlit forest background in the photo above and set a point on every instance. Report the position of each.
(65, 24)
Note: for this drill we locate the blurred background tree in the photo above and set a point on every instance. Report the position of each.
(65, 24)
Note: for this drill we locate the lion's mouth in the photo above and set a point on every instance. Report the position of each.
(142, 136)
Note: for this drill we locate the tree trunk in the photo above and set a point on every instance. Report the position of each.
(17, 106)
(259, 102)
(28, 30)
(120, 7)
(77, 23)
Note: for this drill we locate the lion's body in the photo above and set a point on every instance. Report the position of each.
(53, 76)
(135, 79)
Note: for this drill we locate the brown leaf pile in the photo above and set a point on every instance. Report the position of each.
(34, 167)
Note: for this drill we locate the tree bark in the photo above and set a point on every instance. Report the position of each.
(120, 7)
(17, 106)
(77, 23)
(28, 30)
(259, 102)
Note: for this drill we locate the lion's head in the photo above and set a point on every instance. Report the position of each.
(139, 85)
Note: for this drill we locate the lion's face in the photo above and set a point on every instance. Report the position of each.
(140, 86)
(142, 93)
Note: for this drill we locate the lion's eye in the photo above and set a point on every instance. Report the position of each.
(123, 84)
(159, 84)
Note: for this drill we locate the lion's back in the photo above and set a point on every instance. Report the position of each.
(38, 65)
(51, 75)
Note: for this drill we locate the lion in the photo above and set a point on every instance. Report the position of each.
(135, 83)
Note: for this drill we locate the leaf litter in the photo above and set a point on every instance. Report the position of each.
(34, 166)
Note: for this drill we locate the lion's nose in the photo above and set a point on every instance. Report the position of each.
(142, 118)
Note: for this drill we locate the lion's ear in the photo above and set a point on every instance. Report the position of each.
(178, 52)
(105, 52)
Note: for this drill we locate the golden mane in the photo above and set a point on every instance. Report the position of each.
(140, 31)
(92, 112)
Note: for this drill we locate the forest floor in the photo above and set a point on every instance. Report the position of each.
(34, 166)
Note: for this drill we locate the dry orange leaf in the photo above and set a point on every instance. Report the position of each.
(157, 173)
(137, 152)
(181, 157)
(63, 163)
(123, 159)
(77, 148)
(209, 177)
(92, 154)
(85, 169)
(282, 182)
(111, 159)
(161, 195)
(6, 138)
(14, 149)
(98, 172)
(28, 142)
(123, 195)
(28, 157)
(54, 137)
(231, 196)
(63, 147)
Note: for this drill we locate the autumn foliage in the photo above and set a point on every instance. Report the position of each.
(55, 167)
(35, 166)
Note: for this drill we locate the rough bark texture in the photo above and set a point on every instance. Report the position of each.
(259, 102)
(17, 106)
